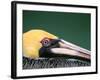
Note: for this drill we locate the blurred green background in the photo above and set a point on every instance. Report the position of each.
(72, 27)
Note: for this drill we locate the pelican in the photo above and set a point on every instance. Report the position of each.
(41, 44)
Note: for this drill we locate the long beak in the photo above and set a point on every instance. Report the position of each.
(70, 49)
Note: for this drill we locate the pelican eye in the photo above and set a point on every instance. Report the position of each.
(46, 42)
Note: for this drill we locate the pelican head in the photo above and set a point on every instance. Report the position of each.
(39, 43)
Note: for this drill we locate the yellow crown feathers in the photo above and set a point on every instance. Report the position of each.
(31, 42)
